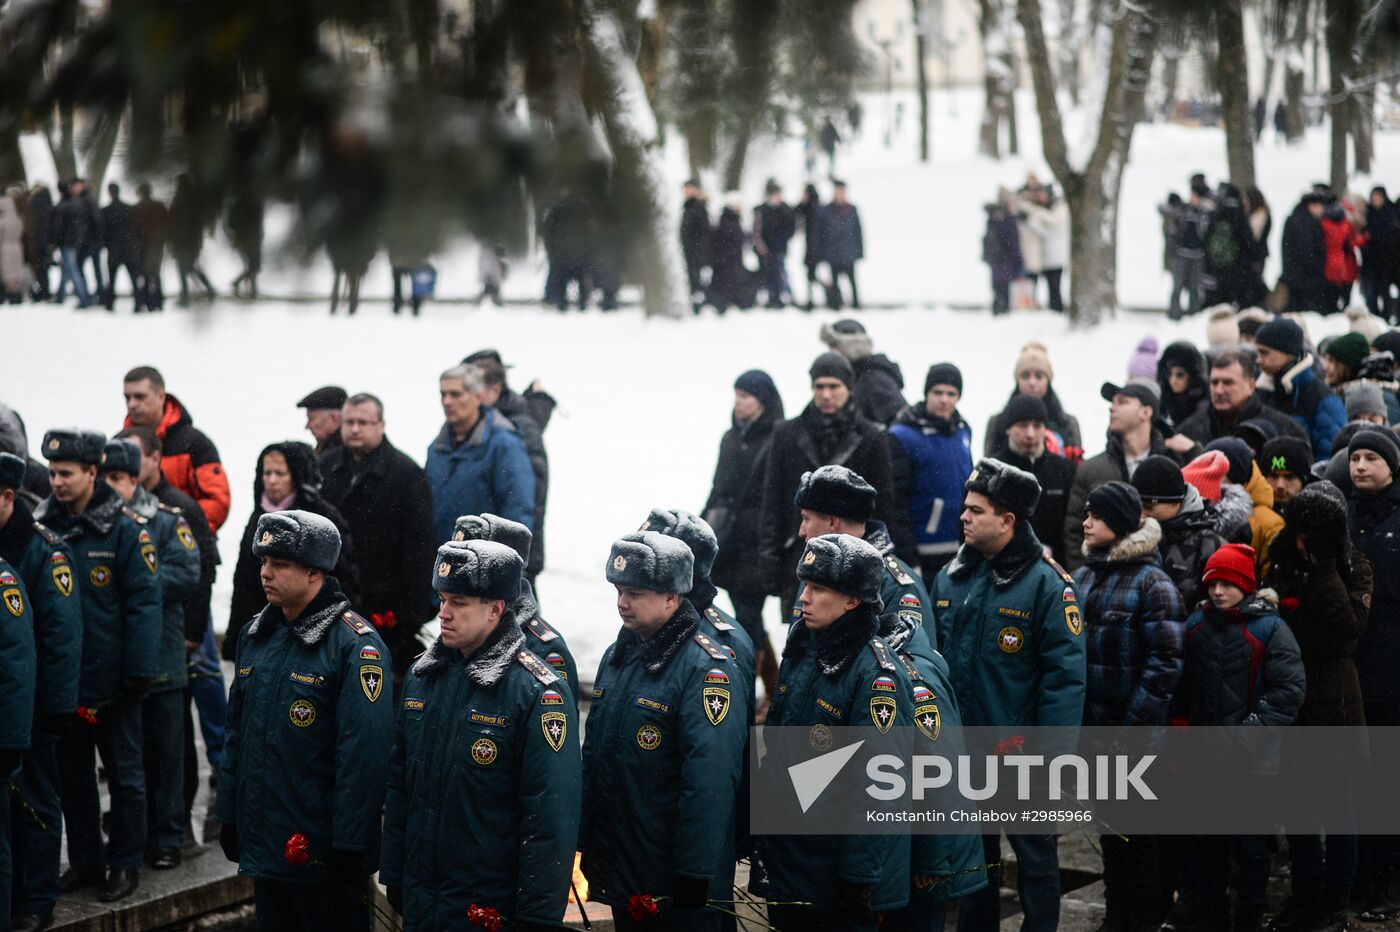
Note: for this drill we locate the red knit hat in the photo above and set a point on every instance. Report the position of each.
(1234, 564)
(1205, 472)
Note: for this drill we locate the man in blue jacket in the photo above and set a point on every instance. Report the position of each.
(931, 455)
(478, 462)
(306, 753)
(1292, 386)
(664, 749)
(1009, 623)
(117, 572)
(497, 831)
(44, 564)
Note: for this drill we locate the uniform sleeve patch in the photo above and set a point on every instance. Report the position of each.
(245, 671)
(371, 681)
(928, 721)
(186, 536)
(555, 726)
(556, 660)
(715, 677)
(913, 617)
(909, 600)
(716, 703)
(598, 691)
(1068, 595)
(882, 712)
(942, 603)
(923, 694)
(369, 652)
(884, 684)
(554, 697)
(1073, 620)
(14, 601)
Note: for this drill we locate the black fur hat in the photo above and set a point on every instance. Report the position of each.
(648, 560)
(844, 563)
(836, 491)
(299, 536)
(121, 456)
(481, 568)
(1319, 513)
(513, 534)
(691, 530)
(12, 470)
(69, 444)
(1013, 489)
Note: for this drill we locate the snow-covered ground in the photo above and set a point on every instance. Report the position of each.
(642, 403)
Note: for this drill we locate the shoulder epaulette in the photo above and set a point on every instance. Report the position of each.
(882, 654)
(541, 630)
(138, 518)
(356, 623)
(717, 620)
(897, 571)
(1058, 568)
(537, 667)
(709, 647)
(909, 668)
(50, 538)
(168, 509)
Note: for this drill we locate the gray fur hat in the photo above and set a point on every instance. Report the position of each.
(836, 491)
(844, 563)
(485, 568)
(1013, 489)
(121, 456)
(12, 470)
(70, 444)
(648, 560)
(691, 530)
(513, 534)
(299, 536)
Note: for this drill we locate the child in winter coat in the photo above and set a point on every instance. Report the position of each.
(1242, 667)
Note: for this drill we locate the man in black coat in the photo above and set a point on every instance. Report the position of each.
(384, 497)
(529, 413)
(92, 242)
(878, 389)
(40, 243)
(828, 432)
(695, 239)
(1304, 255)
(1024, 448)
(1233, 401)
(774, 224)
(123, 242)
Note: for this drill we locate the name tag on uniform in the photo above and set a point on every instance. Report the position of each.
(1014, 613)
(308, 679)
(483, 718)
(652, 704)
(828, 708)
(414, 705)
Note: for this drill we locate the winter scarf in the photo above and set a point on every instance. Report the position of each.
(270, 506)
(829, 431)
(839, 643)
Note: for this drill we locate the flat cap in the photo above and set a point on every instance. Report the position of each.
(325, 397)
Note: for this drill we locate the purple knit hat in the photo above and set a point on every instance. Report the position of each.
(1143, 363)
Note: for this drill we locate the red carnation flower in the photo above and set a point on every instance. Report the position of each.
(1290, 604)
(641, 907)
(484, 916)
(1009, 745)
(87, 714)
(387, 620)
(296, 853)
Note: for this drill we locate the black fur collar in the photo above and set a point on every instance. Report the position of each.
(837, 645)
(101, 513)
(702, 594)
(658, 650)
(526, 607)
(1014, 561)
(311, 625)
(488, 663)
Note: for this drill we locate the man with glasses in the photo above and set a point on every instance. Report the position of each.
(384, 496)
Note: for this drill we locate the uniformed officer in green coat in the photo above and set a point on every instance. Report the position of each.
(310, 726)
(45, 566)
(485, 780)
(836, 671)
(162, 711)
(664, 748)
(836, 500)
(17, 666)
(1009, 624)
(541, 638)
(117, 572)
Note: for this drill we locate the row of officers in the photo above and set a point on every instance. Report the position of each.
(465, 786)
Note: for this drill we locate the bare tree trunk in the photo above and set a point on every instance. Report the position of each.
(921, 76)
(1092, 189)
(1067, 52)
(62, 146)
(633, 135)
(1171, 75)
(1363, 127)
(990, 138)
(98, 147)
(1232, 77)
(737, 155)
(1006, 20)
(1294, 67)
(1344, 17)
(11, 162)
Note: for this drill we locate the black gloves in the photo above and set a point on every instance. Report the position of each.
(395, 897)
(688, 893)
(855, 902)
(228, 840)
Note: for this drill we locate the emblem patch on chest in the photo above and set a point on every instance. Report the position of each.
(1010, 639)
(484, 751)
(302, 713)
(648, 737)
(101, 576)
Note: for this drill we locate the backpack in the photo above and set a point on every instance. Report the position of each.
(1222, 249)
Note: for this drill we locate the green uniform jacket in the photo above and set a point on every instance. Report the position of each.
(485, 787)
(310, 727)
(118, 574)
(16, 662)
(179, 577)
(843, 676)
(1010, 629)
(720, 626)
(939, 723)
(661, 763)
(901, 589)
(542, 640)
(43, 562)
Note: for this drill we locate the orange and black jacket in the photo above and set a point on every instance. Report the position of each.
(190, 462)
